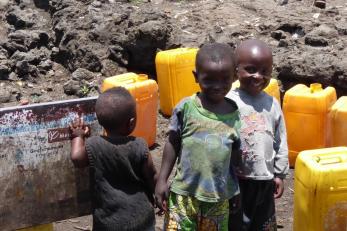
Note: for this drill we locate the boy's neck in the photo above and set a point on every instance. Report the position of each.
(220, 107)
(246, 92)
(114, 134)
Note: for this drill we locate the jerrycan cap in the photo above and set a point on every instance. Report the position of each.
(142, 77)
(315, 87)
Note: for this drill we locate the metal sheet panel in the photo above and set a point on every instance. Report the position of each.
(38, 181)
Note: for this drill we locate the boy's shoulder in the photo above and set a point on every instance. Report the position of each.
(104, 140)
(183, 102)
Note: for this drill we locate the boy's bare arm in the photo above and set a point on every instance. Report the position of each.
(150, 173)
(78, 150)
(169, 158)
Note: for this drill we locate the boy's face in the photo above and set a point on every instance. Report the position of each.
(254, 69)
(215, 79)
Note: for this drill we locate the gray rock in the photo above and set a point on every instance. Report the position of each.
(283, 43)
(324, 31)
(82, 74)
(5, 69)
(111, 68)
(5, 95)
(282, 2)
(21, 19)
(316, 41)
(71, 87)
(60, 73)
(278, 35)
(118, 54)
(3, 53)
(29, 39)
(13, 76)
(34, 56)
(341, 27)
(25, 70)
(45, 66)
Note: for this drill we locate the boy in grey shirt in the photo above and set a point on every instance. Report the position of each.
(263, 163)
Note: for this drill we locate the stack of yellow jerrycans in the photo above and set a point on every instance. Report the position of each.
(272, 89)
(175, 78)
(306, 111)
(320, 199)
(145, 92)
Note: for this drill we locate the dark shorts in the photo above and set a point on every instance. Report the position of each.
(257, 208)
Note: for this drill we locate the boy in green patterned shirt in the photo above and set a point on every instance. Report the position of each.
(203, 132)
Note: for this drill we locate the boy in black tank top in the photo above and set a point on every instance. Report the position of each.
(122, 174)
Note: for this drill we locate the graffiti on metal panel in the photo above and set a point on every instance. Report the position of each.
(39, 183)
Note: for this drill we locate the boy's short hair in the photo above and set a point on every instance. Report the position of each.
(115, 107)
(248, 45)
(214, 52)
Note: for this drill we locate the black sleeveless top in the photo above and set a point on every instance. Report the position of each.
(119, 195)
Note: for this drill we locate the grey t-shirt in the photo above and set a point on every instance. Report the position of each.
(263, 137)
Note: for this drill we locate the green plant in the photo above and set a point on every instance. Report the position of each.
(84, 91)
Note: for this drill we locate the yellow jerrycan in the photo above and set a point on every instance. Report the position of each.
(306, 112)
(175, 78)
(272, 89)
(320, 190)
(338, 122)
(145, 92)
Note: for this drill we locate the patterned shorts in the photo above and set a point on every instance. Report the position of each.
(188, 214)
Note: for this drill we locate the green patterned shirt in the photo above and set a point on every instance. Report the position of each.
(207, 139)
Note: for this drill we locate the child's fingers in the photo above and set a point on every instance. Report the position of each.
(86, 130)
(81, 120)
(164, 204)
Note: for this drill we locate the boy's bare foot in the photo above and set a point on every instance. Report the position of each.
(320, 3)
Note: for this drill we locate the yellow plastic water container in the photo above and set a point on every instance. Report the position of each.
(338, 122)
(272, 89)
(306, 112)
(145, 92)
(320, 190)
(175, 78)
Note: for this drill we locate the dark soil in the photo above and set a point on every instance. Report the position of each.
(61, 49)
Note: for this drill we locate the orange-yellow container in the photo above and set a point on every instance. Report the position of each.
(338, 122)
(320, 190)
(306, 115)
(175, 78)
(272, 89)
(145, 92)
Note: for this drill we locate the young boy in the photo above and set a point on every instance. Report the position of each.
(263, 163)
(122, 173)
(202, 134)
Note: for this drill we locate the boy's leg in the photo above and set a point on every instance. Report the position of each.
(182, 214)
(213, 216)
(236, 212)
(258, 205)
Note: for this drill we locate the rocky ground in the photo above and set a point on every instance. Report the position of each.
(60, 49)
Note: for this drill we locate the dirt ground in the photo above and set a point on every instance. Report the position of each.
(196, 22)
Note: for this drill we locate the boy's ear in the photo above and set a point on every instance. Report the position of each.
(195, 75)
(131, 124)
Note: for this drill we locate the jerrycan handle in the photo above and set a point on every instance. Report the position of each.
(330, 159)
(315, 87)
(133, 79)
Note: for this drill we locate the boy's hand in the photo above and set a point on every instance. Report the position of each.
(79, 129)
(279, 187)
(161, 196)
